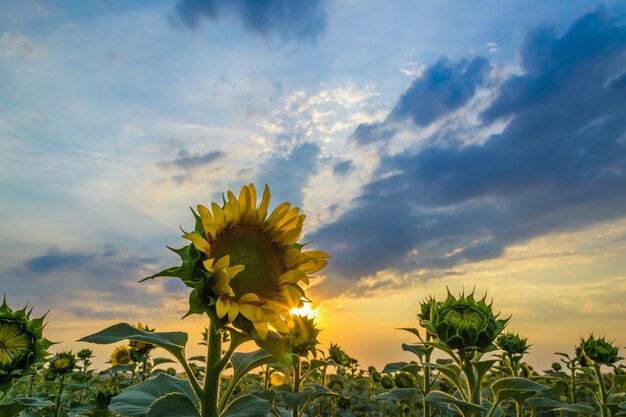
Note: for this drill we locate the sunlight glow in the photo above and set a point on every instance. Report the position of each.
(305, 310)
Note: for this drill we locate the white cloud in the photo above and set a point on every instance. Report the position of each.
(13, 45)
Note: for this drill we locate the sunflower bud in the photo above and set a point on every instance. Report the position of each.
(62, 363)
(592, 351)
(302, 335)
(139, 349)
(464, 324)
(21, 344)
(512, 343)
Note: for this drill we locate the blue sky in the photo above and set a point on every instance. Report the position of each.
(429, 143)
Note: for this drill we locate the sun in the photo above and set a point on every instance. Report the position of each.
(305, 311)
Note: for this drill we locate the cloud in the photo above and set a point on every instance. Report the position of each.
(56, 260)
(558, 165)
(443, 88)
(439, 90)
(187, 161)
(284, 19)
(288, 175)
(342, 168)
(14, 44)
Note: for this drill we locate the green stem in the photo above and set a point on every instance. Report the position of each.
(296, 381)
(603, 394)
(572, 367)
(426, 404)
(191, 376)
(57, 400)
(212, 377)
(519, 408)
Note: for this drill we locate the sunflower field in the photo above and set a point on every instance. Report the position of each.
(246, 272)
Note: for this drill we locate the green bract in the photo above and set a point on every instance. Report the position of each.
(21, 343)
(592, 350)
(512, 343)
(463, 323)
(302, 335)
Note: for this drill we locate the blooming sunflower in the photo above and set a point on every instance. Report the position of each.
(245, 266)
(121, 356)
(21, 343)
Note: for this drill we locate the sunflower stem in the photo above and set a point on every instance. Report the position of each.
(296, 381)
(603, 394)
(213, 372)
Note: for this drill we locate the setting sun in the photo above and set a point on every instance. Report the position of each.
(305, 310)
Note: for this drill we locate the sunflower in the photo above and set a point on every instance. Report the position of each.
(121, 356)
(21, 343)
(246, 266)
(62, 363)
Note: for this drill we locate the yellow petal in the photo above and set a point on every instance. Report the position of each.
(252, 313)
(222, 307)
(234, 270)
(276, 216)
(264, 205)
(279, 324)
(198, 241)
(232, 209)
(208, 264)
(316, 254)
(222, 263)
(261, 328)
(208, 222)
(249, 298)
(289, 219)
(233, 311)
(313, 266)
(291, 277)
(218, 214)
(289, 237)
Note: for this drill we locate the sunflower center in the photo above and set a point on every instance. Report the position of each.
(262, 258)
(13, 342)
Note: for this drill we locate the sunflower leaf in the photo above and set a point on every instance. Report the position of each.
(173, 342)
(173, 404)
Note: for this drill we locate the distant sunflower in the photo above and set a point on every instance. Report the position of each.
(244, 265)
(121, 356)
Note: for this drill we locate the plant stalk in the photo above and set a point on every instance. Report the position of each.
(209, 400)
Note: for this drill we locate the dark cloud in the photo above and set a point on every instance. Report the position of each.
(559, 165)
(287, 176)
(56, 260)
(285, 19)
(342, 168)
(443, 88)
(367, 133)
(63, 274)
(187, 161)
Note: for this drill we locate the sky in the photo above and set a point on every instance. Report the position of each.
(433, 145)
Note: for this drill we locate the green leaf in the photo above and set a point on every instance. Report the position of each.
(401, 366)
(279, 347)
(19, 404)
(317, 363)
(397, 394)
(550, 404)
(463, 407)
(135, 401)
(451, 371)
(173, 342)
(247, 406)
(159, 361)
(516, 388)
(412, 331)
(482, 368)
(245, 362)
(173, 404)
(421, 351)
